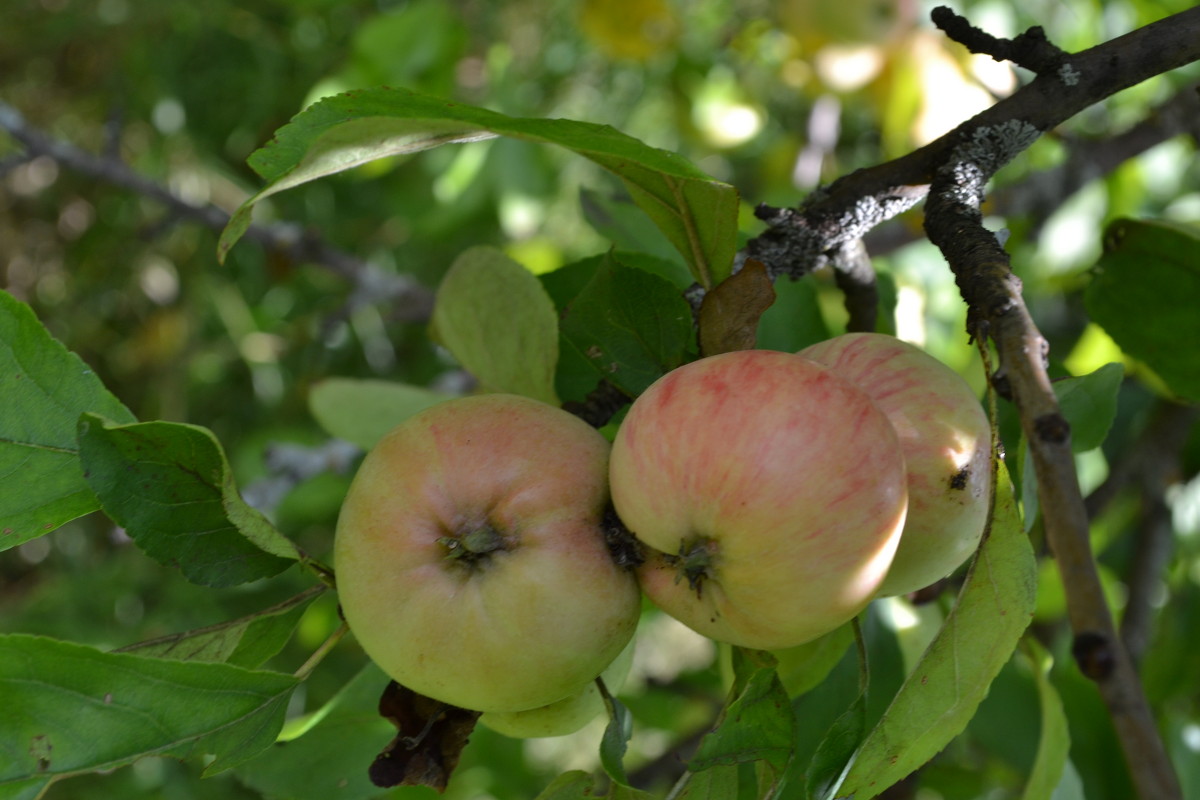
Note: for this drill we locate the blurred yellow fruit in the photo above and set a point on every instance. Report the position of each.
(817, 23)
(629, 29)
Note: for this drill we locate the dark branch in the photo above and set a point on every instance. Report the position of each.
(1031, 49)
(855, 276)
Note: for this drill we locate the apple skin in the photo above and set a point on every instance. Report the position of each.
(567, 715)
(946, 439)
(770, 491)
(506, 629)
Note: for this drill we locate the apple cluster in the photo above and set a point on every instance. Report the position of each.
(772, 495)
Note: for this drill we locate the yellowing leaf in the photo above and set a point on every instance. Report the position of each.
(500, 324)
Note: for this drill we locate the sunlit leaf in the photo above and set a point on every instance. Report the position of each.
(946, 686)
(500, 324)
(696, 213)
(1145, 293)
(70, 709)
(171, 488)
(45, 388)
(362, 410)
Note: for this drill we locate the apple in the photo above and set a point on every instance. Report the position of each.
(946, 439)
(769, 491)
(567, 715)
(471, 561)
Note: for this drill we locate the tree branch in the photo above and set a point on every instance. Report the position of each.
(1036, 197)
(412, 301)
(798, 240)
(855, 276)
(996, 309)
(953, 171)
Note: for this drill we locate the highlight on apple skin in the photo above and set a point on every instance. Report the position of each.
(946, 439)
(769, 491)
(471, 563)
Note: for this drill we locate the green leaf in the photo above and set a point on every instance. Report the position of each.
(940, 696)
(45, 388)
(615, 217)
(794, 321)
(757, 723)
(170, 486)
(31, 789)
(721, 782)
(1054, 741)
(362, 410)
(805, 666)
(577, 785)
(333, 755)
(631, 327)
(833, 754)
(616, 740)
(1145, 293)
(245, 642)
(1089, 404)
(697, 214)
(574, 785)
(500, 324)
(70, 709)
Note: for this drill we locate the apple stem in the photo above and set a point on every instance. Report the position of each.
(474, 544)
(694, 562)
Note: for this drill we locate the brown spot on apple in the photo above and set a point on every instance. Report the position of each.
(958, 480)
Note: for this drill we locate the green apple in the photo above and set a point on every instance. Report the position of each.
(567, 715)
(946, 439)
(769, 491)
(471, 561)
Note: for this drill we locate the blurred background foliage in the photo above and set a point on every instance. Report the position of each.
(773, 97)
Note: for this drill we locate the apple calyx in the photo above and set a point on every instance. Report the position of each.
(693, 562)
(474, 546)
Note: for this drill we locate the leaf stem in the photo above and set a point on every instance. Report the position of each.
(308, 666)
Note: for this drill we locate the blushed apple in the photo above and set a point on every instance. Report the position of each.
(471, 562)
(770, 491)
(946, 439)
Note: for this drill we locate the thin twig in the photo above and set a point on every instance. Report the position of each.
(411, 301)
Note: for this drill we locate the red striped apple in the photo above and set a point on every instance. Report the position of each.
(946, 440)
(769, 490)
(471, 561)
